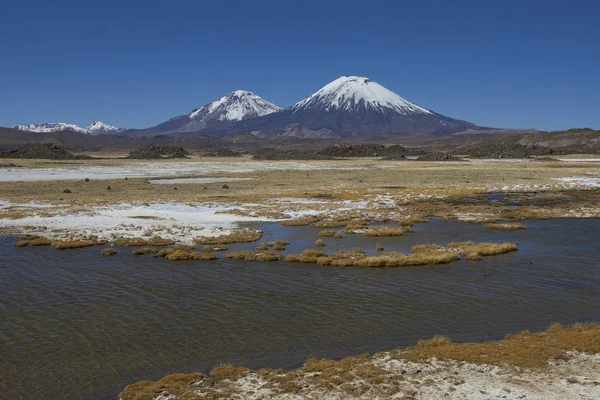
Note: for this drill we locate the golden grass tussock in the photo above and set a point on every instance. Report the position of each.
(525, 349)
(237, 236)
(228, 371)
(153, 241)
(210, 247)
(531, 351)
(428, 254)
(176, 384)
(326, 233)
(144, 250)
(340, 222)
(177, 255)
(302, 221)
(75, 244)
(276, 245)
(320, 243)
(256, 256)
(108, 252)
(33, 240)
(307, 256)
(387, 231)
(474, 251)
(506, 227)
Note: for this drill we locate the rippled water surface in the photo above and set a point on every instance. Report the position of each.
(76, 325)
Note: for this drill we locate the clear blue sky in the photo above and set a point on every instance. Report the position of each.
(134, 64)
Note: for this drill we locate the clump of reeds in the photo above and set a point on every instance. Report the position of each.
(33, 240)
(177, 255)
(238, 236)
(153, 241)
(302, 221)
(505, 227)
(144, 250)
(75, 244)
(387, 231)
(320, 243)
(326, 233)
(257, 256)
(307, 256)
(474, 251)
(108, 252)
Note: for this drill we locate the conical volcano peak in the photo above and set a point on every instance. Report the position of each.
(357, 93)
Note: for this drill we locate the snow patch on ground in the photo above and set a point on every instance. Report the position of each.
(153, 169)
(180, 222)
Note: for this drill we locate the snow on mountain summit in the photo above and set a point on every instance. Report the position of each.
(99, 127)
(235, 106)
(351, 93)
(50, 127)
(95, 128)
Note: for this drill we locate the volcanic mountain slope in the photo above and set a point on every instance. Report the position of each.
(218, 115)
(352, 106)
(95, 128)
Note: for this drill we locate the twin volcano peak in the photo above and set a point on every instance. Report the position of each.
(235, 106)
(356, 93)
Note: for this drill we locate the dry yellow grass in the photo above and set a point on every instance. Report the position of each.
(326, 233)
(387, 231)
(257, 256)
(153, 241)
(144, 250)
(474, 251)
(527, 350)
(75, 244)
(320, 243)
(108, 252)
(238, 236)
(302, 221)
(33, 240)
(307, 256)
(177, 255)
(505, 227)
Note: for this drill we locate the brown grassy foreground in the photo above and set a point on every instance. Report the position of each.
(505, 227)
(526, 349)
(427, 254)
(357, 376)
(238, 236)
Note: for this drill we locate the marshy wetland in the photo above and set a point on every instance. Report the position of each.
(111, 287)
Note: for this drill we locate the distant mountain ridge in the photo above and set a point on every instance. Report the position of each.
(95, 128)
(350, 106)
(236, 106)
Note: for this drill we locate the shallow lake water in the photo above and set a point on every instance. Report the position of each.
(76, 325)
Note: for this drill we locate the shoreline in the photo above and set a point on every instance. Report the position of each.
(559, 363)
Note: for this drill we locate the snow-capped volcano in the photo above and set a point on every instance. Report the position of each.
(236, 106)
(352, 106)
(100, 128)
(95, 128)
(353, 93)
